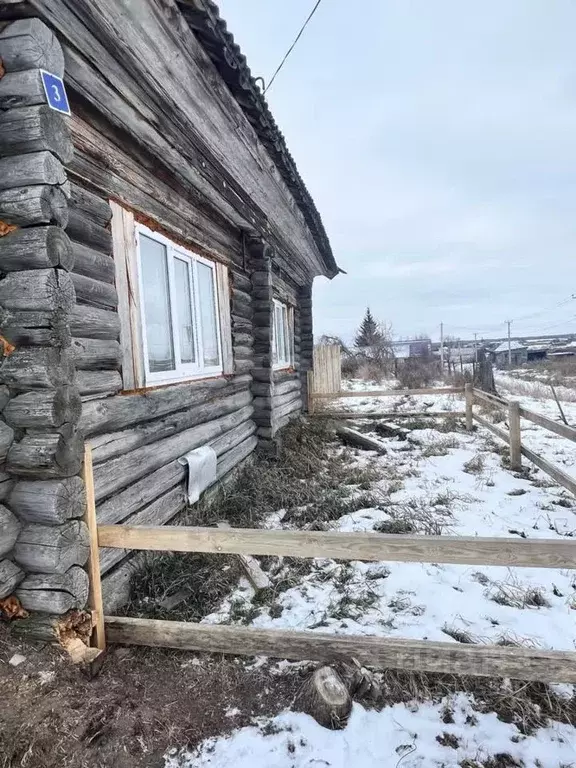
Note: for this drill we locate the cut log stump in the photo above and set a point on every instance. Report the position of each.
(326, 698)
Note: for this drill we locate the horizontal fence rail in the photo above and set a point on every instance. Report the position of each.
(465, 550)
(514, 440)
(390, 415)
(414, 655)
(386, 393)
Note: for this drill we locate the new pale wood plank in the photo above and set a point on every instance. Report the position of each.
(473, 550)
(383, 653)
(223, 293)
(95, 592)
(387, 393)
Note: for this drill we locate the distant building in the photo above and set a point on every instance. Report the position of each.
(518, 354)
(412, 348)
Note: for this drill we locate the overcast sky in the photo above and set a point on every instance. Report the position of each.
(438, 139)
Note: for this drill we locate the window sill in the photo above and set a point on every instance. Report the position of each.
(176, 383)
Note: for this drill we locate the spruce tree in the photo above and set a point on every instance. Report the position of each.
(368, 334)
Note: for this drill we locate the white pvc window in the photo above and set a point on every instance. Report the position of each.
(282, 336)
(179, 307)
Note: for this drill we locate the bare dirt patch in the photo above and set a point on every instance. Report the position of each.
(144, 701)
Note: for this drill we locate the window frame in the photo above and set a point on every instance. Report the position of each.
(182, 371)
(288, 334)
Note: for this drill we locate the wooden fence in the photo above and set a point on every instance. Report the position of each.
(327, 368)
(420, 655)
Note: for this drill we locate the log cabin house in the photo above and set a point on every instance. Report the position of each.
(157, 254)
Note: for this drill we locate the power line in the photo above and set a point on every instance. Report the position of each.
(289, 51)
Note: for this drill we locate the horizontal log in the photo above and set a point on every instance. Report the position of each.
(122, 505)
(37, 289)
(9, 529)
(95, 354)
(464, 550)
(35, 248)
(92, 263)
(233, 437)
(30, 44)
(241, 324)
(44, 408)
(48, 502)
(240, 281)
(110, 445)
(37, 368)
(35, 129)
(94, 291)
(31, 170)
(283, 410)
(52, 548)
(353, 437)
(377, 652)
(242, 367)
(242, 339)
(43, 455)
(81, 227)
(31, 206)
(93, 323)
(117, 473)
(242, 353)
(98, 382)
(4, 395)
(54, 592)
(89, 204)
(48, 627)
(10, 576)
(162, 510)
(6, 485)
(118, 412)
(6, 440)
(21, 89)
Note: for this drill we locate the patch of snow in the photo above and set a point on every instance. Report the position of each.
(412, 736)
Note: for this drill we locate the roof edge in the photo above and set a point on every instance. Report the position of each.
(204, 19)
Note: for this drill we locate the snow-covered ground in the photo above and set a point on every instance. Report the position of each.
(432, 482)
(414, 736)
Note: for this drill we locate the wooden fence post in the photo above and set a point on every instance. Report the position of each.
(469, 395)
(95, 593)
(515, 438)
(310, 392)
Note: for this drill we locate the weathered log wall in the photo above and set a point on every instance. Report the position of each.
(43, 543)
(61, 373)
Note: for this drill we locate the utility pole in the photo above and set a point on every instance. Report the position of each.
(475, 348)
(442, 347)
(509, 323)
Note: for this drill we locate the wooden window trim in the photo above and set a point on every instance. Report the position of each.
(125, 230)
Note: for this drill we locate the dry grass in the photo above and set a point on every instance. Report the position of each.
(313, 482)
(536, 389)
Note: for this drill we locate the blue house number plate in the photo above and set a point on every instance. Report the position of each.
(55, 92)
